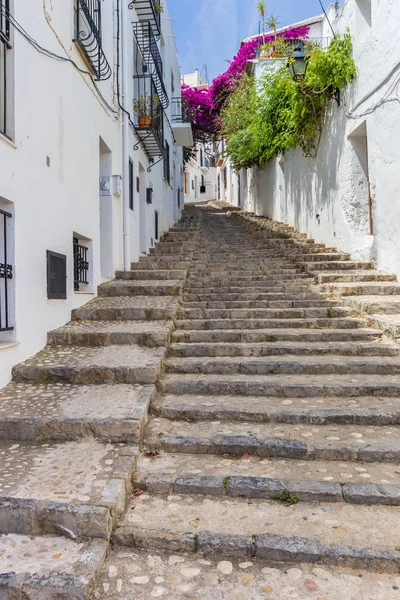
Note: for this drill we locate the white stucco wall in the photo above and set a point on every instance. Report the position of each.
(327, 196)
(64, 138)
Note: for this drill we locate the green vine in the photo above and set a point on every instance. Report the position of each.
(274, 114)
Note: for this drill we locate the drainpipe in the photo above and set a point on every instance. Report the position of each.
(125, 136)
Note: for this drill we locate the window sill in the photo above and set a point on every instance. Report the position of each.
(84, 293)
(7, 345)
(8, 141)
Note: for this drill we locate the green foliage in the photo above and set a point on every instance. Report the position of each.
(287, 498)
(225, 482)
(266, 118)
(330, 313)
(270, 337)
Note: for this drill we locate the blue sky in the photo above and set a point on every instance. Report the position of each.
(210, 31)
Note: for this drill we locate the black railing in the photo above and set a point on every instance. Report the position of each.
(150, 12)
(148, 115)
(81, 265)
(180, 111)
(5, 46)
(88, 36)
(151, 61)
(6, 273)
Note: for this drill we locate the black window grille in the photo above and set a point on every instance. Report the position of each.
(149, 195)
(6, 273)
(156, 231)
(179, 197)
(56, 275)
(167, 166)
(89, 37)
(5, 47)
(81, 265)
(131, 191)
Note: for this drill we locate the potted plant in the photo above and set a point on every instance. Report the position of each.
(266, 51)
(142, 106)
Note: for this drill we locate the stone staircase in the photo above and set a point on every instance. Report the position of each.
(223, 414)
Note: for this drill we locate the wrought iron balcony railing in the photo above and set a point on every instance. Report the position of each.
(152, 62)
(88, 36)
(148, 115)
(148, 11)
(180, 111)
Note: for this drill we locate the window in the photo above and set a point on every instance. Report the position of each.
(81, 265)
(5, 67)
(131, 194)
(156, 232)
(6, 269)
(167, 174)
(201, 157)
(56, 276)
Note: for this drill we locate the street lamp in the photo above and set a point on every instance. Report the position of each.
(297, 63)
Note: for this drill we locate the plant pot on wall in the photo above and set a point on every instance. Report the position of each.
(144, 122)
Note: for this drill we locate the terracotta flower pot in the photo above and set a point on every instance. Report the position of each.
(144, 122)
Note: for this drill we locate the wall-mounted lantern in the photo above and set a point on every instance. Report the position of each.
(297, 63)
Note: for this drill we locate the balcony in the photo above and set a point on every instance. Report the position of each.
(181, 122)
(88, 37)
(148, 11)
(151, 63)
(148, 115)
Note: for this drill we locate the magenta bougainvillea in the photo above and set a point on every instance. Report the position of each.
(206, 103)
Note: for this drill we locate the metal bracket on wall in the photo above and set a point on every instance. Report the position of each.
(154, 164)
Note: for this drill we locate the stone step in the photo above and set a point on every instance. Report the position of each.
(227, 304)
(82, 365)
(159, 265)
(48, 567)
(111, 333)
(373, 288)
(254, 477)
(167, 287)
(270, 440)
(227, 276)
(263, 313)
(282, 348)
(215, 284)
(77, 489)
(374, 305)
(147, 274)
(354, 276)
(388, 324)
(333, 534)
(39, 412)
(259, 295)
(322, 257)
(180, 577)
(147, 262)
(276, 335)
(249, 292)
(290, 386)
(329, 323)
(136, 308)
(362, 410)
(285, 365)
(332, 265)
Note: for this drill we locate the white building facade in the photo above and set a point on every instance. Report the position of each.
(348, 195)
(86, 185)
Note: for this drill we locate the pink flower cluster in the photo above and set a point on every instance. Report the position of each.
(206, 104)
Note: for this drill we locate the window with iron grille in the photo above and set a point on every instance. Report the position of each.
(56, 276)
(5, 67)
(6, 272)
(88, 35)
(81, 265)
(167, 167)
(131, 196)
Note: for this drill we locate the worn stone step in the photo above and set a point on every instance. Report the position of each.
(195, 279)
(333, 534)
(178, 264)
(362, 410)
(275, 348)
(82, 365)
(253, 285)
(374, 305)
(77, 489)
(388, 324)
(373, 288)
(147, 274)
(244, 295)
(136, 308)
(323, 257)
(254, 477)
(290, 386)
(111, 333)
(249, 291)
(354, 276)
(270, 440)
(49, 567)
(166, 287)
(285, 365)
(182, 576)
(275, 335)
(304, 323)
(62, 412)
(333, 265)
(227, 304)
(263, 313)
